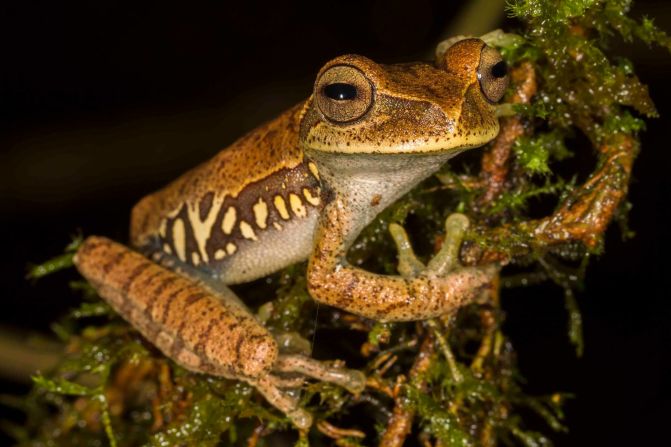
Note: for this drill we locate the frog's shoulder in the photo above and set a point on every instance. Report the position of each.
(270, 148)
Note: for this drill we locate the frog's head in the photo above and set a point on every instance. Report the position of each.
(360, 107)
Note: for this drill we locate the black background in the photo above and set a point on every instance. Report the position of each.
(102, 102)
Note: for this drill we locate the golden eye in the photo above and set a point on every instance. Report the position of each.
(492, 74)
(343, 94)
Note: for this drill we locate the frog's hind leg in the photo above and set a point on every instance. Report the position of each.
(182, 317)
(200, 328)
(294, 349)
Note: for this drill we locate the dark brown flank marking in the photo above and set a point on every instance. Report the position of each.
(376, 200)
(190, 244)
(137, 271)
(205, 205)
(295, 179)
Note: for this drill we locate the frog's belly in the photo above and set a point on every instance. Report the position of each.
(273, 250)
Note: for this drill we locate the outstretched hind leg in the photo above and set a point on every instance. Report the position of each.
(200, 328)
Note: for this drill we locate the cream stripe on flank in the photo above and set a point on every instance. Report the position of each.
(261, 213)
(312, 200)
(229, 220)
(247, 231)
(162, 228)
(179, 239)
(314, 170)
(202, 229)
(297, 205)
(281, 207)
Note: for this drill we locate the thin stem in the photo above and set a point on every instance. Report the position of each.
(445, 348)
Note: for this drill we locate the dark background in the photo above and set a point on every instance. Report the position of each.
(102, 102)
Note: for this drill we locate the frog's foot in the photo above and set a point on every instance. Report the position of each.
(271, 387)
(280, 388)
(445, 261)
(352, 380)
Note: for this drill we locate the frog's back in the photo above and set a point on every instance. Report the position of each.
(248, 211)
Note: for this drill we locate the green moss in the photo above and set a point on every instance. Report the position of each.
(534, 153)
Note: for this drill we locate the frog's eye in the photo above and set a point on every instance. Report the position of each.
(343, 94)
(492, 74)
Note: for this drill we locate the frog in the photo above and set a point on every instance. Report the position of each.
(302, 187)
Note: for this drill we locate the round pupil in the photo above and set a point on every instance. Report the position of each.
(499, 69)
(340, 91)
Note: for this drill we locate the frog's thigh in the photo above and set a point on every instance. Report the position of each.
(185, 319)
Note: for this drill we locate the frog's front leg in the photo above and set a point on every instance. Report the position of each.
(419, 294)
(200, 328)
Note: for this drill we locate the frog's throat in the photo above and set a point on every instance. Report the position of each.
(368, 183)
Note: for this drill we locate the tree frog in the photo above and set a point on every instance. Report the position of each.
(302, 186)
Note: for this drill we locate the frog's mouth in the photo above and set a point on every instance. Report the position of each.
(451, 144)
(435, 126)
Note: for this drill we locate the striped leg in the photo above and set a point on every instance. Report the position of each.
(202, 329)
(182, 317)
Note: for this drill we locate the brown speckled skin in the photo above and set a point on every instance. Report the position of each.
(418, 109)
(266, 150)
(332, 281)
(300, 186)
(184, 319)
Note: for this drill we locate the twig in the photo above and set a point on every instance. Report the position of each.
(256, 435)
(400, 423)
(334, 432)
(494, 172)
(436, 329)
(582, 217)
(489, 323)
